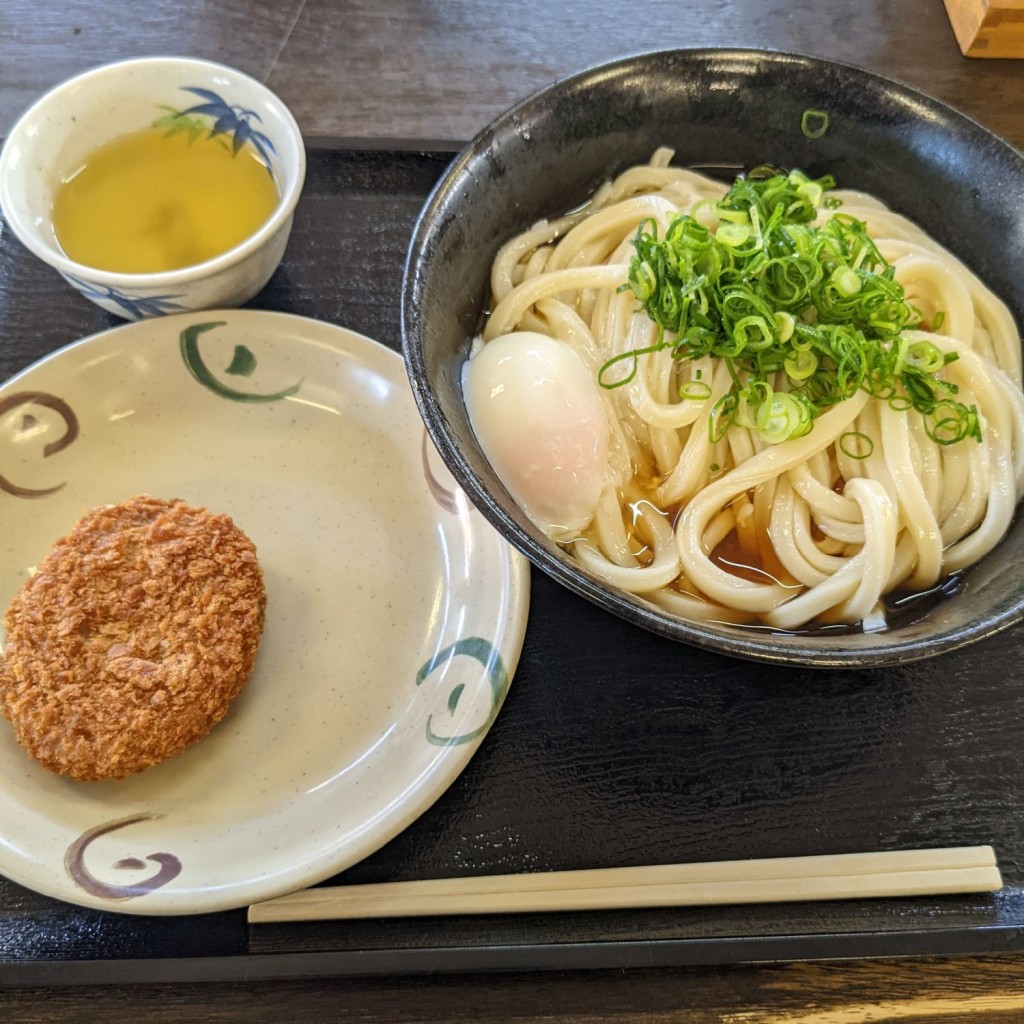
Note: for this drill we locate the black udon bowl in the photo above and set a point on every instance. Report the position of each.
(719, 109)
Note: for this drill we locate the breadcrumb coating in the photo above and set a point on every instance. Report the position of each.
(132, 638)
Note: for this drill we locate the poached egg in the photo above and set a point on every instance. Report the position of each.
(538, 415)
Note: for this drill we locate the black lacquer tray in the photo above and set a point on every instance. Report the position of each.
(615, 747)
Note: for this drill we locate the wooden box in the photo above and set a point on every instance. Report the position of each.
(988, 28)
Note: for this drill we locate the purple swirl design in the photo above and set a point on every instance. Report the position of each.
(66, 413)
(74, 863)
(450, 501)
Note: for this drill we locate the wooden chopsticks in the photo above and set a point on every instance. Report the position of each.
(831, 877)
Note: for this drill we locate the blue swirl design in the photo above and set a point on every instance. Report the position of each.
(136, 307)
(489, 656)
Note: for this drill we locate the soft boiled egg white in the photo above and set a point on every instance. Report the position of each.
(539, 418)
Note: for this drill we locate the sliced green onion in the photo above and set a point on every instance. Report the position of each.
(812, 192)
(753, 333)
(900, 354)
(721, 416)
(774, 290)
(846, 281)
(732, 235)
(615, 360)
(814, 123)
(801, 364)
(733, 216)
(925, 357)
(746, 413)
(643, 279)
(853, 441)
(694, 390)
(780, 417)
(938, 320)
(952, 422)
(785, 323)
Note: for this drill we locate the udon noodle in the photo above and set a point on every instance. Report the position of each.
(737, 528)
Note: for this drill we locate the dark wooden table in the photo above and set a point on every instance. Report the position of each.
(439, 70)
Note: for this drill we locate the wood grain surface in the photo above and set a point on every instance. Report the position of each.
(983, 991)
(441, 69)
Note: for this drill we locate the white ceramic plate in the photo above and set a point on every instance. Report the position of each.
(394, 622)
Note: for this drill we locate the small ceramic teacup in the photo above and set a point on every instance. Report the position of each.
(72, 120)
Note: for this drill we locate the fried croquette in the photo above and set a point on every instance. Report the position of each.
(132, 638)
